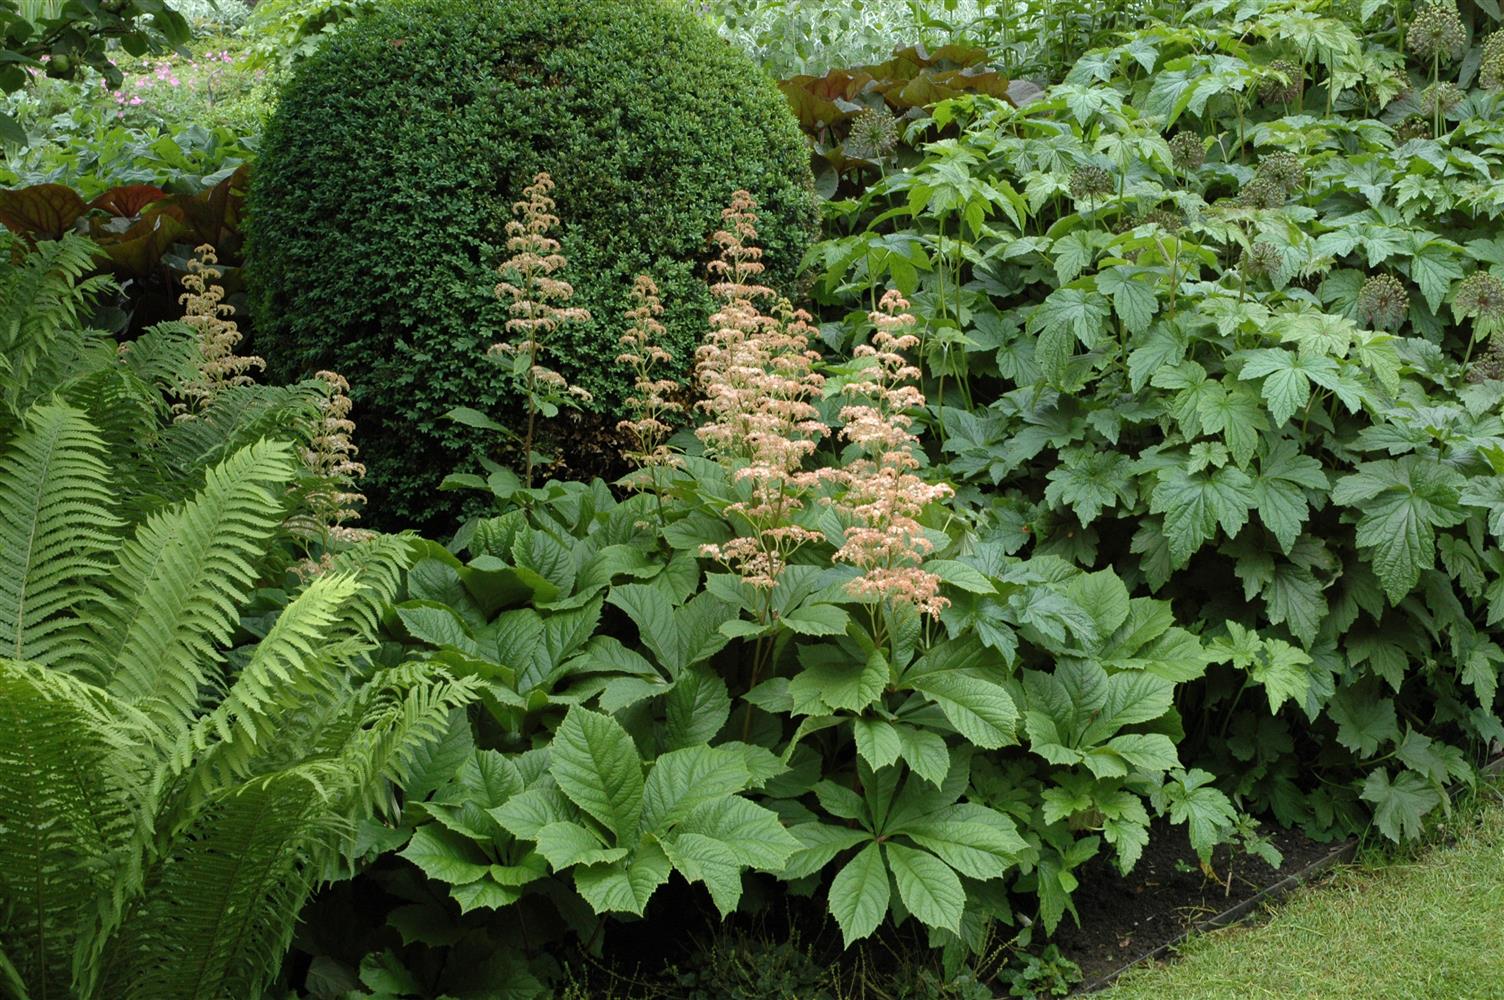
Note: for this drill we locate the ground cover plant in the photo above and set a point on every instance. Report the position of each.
(1122, 461)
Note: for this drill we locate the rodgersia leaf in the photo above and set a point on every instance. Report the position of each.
(859, 894)
(624, 886)
(595, 763)
(927, 886)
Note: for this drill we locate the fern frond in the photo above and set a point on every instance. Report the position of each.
(294, 668)
(57, 531)
(165, 355)
(173, 600)
(42, 300)
(69, 771)
(238, 416)
(128, 414)
(220, 905)
(380, 732)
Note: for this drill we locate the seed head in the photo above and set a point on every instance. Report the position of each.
(1260, 260)
(1413, 127)
(1488, 367)
(1187, 151)
(1383, 302)
(874, 133)
(1284, 170)
(1479, 296)
(1284, 85)
(1440, 98)
(1089, 183)
(1436, 31)
(1491, 68)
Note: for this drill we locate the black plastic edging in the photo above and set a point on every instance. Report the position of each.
(1234, 914)
(1342, 853)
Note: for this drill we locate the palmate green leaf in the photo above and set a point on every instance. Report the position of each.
(1133, 296)
(859, 894)
(56, 531)
(929, 888)
(682, 780)
(1205, 810)
(1401, 805)
(1089, 481)
(1284, 672)
(1194, 504)
(624, 886)
(595, 764)
(1365, 720)
(1287, 378)
(1401, 503)
(1294, 598)
(565, 844)
(1279, 490)
(1434, 266)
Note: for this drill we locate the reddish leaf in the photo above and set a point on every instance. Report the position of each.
(139, 250)
(127, 202)
(41, 212)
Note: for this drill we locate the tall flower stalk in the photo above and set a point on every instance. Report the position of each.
(651, 404)
(206, 312)
(755, 370)
(539, 307)
(880, 496)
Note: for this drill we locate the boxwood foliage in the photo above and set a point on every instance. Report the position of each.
(388, 172)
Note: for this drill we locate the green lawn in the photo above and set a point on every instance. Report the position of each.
(1426, 927)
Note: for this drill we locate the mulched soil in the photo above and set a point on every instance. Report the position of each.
(1126, 918)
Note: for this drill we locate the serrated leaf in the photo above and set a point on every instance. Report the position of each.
(682, 780)
(1194, 504)
(595, 764)
(877, 742)
(624, 886)
(1400, 806)
(859, 895)
(445, 856)
(567, 844)
(929, 888)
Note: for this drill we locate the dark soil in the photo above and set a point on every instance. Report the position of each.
(1124, 918)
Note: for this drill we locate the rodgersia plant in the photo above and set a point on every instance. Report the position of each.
(651, 404)
(209, 316)
(881, 497)
(539, 307)
(757, 376)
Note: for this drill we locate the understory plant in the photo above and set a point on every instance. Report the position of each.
(190, 735)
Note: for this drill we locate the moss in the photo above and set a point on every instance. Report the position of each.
(387, 175)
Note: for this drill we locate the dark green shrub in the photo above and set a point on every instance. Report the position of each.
(387, 176)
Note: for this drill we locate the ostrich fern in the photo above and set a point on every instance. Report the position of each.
(172, 790)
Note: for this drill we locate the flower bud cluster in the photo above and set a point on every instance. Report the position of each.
(205, 310)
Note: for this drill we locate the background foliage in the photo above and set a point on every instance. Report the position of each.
(383, 254)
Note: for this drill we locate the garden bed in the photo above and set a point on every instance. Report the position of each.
(1127, 919)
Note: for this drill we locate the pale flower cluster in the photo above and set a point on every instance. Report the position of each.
(539, 303)
(756, 374)
(205, 310)
(651, 403)
(880, 497)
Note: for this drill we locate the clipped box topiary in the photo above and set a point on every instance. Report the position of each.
(387, 174)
